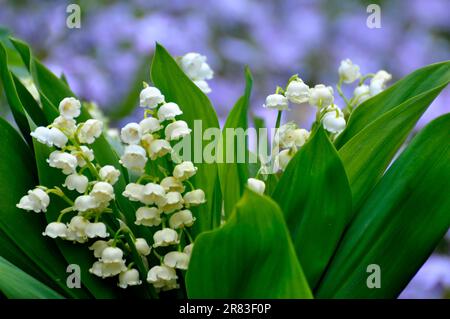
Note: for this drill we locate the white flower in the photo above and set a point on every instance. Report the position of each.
(168, 111)
(64, 161)
(82, 155)
(85, 202)
(348, 71)
(297, 91)
(285, 136)
(109, 174)
(301, 136)
(102, 192)
(111, 255)
(195, 66)
(76, 229)
(37, 200)
(256, 185)
(66, 125)
(129, 277)
(282, 159)
(165, 237)
(96, 230)
(362, 93)
(176, 259)
(171, 184)
(134, 158)
(148, 216)
(99, 246)
(177, 130)
(159, 148)
(142, 247)
(184, 170)
(194, 198)
(203, 86)
(89, 131)
(150, 125)
(153, 194)
(151, 97)
(42, 134)
(55, 229)
(181, 219)
(173, 201)
(382, 75)
(276, 102)
(162, 277)
(378, 82)
(76, 182)
(131, 133)
(69, 107)
(50, 137)
(133, 192)
(321, 96)
(333, 120)
(105, 270)
(188, 249)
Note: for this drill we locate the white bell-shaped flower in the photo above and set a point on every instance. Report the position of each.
(159, 148)
(188, 249)
(76, 229)
(379, 81)
(37, 200)
(285, 136)
(83, 155)
(181, 219)
(134, 158)
(194, 198)
(283, 158)
(297, 91)
(99, 246)
(50, 136)
(89, 131)
(66, 125)
(148, 216)
(131, 133)
(276, 102)
(301, 136)
(111, 255)
(153, 194)
(150, 97)
(203, 86)
(85, 202)
(333, 120)
(109, 174)
(133, 192)
(64, 161)
(361, 93)
(150, 125)
(76, 182)
(176, 130)
(195, 66)
(42, 135)
(256, 185)
(105, 270)
(165, 237)
(173, 201)
(129, 277)
(142, 246)
(171, 184)
(168, 111)
(96, 230)
(176, 259)
(102, 192)
(348, 72)
(55, 229)
(162, 277)
(184, 170)
(321, 96)
(69, 107)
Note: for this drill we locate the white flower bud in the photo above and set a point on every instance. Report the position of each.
(282, 159)
(165, 237)
(82, 155)
(37, 200)
(133, 192)
(55, 229)
(109, 174)
(102, 192)
(173, 201)
(168, 111)
(176, 130)
(67, 125)
(111, 255)
(362, 93)
(151, 97)
(99, 246)
(142, 247)
(153, 194)
(150, 125)
(382, 75)
(162, 277)
(300, 136)
(188, 249)
(348, 71)
(134, 158)
(203, 86)
(195, 66)
(85, 202)
(171, 184)
(184, 170)
(131, 133)
(89, 131)
(50, 137)
(378, 82)
(297, 91)
(194, 198)
(64, 161)
(69, 107)
(321, 96)
(333, 120)
(76, 182)
(129, 277)
(159, 148)
(177, 259)
(96, 230)
(256, 185)
(148, 216)
(276, 102)
(181, 219)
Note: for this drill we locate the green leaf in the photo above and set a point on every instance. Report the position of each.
(16, 284)
(233, 174)
(401, 222)
(368, 153)
(251, 256)
(414, 84)
(315, 197)
(178, 88)
(25, 228)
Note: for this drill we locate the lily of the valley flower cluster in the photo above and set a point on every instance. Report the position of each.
(289, 138)
(89, 193)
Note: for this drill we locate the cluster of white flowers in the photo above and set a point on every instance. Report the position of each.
(196, 68)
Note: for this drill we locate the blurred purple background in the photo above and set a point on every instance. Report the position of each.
(275, 38)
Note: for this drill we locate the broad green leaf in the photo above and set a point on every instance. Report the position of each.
(315, 197)
(414, 84)
(25, 228)
(178, 88)
(29, 103)
(233, 174)
(401, 222)
(368, 153)
(16, 284)
(251, 256)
